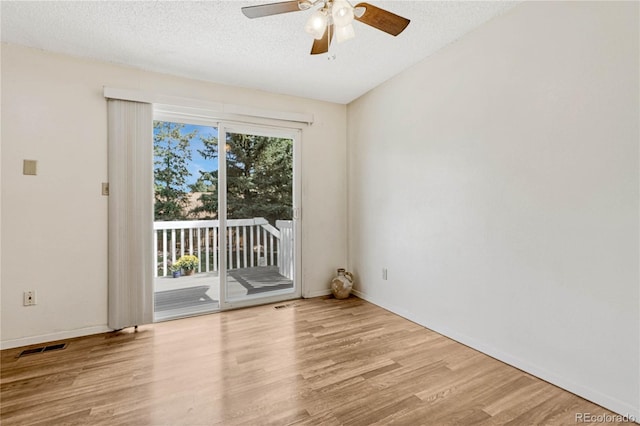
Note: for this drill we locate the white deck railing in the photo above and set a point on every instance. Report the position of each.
(250, 242)
(285, 249)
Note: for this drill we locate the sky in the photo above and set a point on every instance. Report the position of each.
(197, 161)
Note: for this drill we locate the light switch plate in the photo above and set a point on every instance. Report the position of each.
(29, 167)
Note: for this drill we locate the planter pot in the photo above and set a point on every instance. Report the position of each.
(188, 272)
(342, 284)
(176, 274)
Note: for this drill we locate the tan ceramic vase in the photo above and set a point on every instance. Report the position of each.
(342, 284)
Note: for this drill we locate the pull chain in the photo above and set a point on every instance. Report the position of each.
(330, 57)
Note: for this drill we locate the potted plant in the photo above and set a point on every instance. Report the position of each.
(187, 263)
(175, 270)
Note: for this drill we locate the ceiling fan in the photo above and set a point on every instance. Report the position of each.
(333, 17)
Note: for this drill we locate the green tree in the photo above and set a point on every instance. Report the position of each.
(259, 177)
(207, 183)
(171, 158)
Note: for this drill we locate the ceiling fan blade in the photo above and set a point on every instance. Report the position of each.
(322, 45)
(270, 9)
(382, 19)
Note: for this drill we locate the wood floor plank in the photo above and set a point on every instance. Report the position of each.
(318, 361)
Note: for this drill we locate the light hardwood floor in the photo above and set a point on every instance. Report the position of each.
(318, 361)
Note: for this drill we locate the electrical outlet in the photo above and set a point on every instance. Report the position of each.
(384, 274)
(29, 298)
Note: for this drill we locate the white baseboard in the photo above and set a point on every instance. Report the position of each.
(317, 293)
(45, 338)
(623, 408)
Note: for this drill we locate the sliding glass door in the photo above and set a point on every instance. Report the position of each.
(186, 222)
(260, 199)
(224, 226)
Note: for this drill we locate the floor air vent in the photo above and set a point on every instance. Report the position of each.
(288, 305)
(43, 349)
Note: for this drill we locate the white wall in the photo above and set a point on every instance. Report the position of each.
(498, 182)
(54, 225)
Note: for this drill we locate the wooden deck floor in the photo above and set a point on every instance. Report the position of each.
(312, 362)
(199, 293)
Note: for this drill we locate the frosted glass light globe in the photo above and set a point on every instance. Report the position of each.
(342, 13)
(345, 33)
(316, 24)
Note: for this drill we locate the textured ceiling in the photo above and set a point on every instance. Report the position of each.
(214, 41)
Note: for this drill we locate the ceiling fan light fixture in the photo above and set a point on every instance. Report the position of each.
(345, 33)
(332, 17)
(316, 24)
(342, 13)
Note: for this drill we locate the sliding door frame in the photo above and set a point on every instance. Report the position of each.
(268, 131)
(189, 116)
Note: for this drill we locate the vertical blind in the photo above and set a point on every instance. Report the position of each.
(130, 140)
